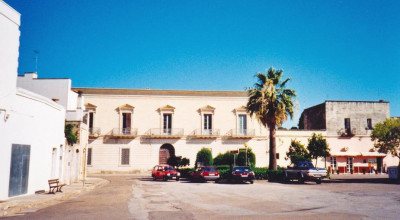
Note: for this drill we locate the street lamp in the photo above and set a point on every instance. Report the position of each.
(245, 146)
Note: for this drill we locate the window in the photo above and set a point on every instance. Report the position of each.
(91, 117)
(207, 128)
(369, 124)
(347, 125)
(242, 124)
(333, 163)
(349, 164)
(89, 156)
(126, 123)
(125, 156)
(277, 156)
(167, 123)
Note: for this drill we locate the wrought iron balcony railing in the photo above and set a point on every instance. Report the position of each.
(123, 132)
(205, 133)
(94, 132)
(164, 133)
(241, 133)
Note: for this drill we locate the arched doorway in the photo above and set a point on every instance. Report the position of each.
(166, 150)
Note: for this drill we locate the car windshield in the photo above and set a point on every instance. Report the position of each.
(242, 169)
(305, 164)
(168, 169)
(210, 169)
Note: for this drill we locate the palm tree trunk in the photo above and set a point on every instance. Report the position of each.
(272, 148)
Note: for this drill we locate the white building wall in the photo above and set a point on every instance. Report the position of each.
(50, 88)
(25, 117)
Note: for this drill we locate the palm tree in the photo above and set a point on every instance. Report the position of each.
(271, 103)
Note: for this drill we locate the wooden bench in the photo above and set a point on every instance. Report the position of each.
(55, 186)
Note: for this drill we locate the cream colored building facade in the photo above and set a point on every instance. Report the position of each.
(130, 130)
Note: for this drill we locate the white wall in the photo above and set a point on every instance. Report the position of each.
(39, 122)
(50, 88)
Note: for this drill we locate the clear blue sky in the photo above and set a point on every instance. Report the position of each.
(332, 50)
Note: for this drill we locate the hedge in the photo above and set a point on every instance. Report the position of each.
(185, 172)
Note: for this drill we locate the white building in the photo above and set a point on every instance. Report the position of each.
(59, 90)
(31, 126)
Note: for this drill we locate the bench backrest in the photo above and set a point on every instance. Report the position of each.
(53, 181)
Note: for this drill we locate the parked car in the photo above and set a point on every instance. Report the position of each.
(207, 173)
(305, 171)
(165, 172)
(242, 174)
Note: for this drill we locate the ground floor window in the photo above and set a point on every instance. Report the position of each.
(349, 164)
(333, 163)
(125, 156)
(89, 156)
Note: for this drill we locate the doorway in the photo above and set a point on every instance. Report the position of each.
(379, 164)
(166, 151)
(19, 171)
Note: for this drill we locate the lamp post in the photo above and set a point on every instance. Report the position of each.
(245, 146)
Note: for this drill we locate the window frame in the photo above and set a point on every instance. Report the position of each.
(122, 149)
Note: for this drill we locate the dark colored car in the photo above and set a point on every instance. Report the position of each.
(305, 171)
(207, 173)
(165, 172)
(242, 174)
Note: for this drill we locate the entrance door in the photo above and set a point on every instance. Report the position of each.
(379, 164)
(349, 164)
(166, 151)
(19, 171)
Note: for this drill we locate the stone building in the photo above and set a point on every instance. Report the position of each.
(346, 118)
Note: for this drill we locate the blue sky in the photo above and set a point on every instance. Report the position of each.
(332, 50)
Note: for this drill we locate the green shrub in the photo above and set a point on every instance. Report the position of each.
(224, 159)
(260, 173)
(224, 173)
(185, 172)
(241, 158)
(275, 175)
(223, 167)
(178, 161)
(204, 157)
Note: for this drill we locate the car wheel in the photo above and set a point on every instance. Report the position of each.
(177, 178)
(251, 181)
(318, 181)
(217, 181)
(300, 178)
(154, 178)
(165, 178)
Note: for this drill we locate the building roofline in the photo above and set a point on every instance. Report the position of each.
(111, 91)
(380, 101)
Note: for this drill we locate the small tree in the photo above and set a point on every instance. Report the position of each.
(224, 159)
(71, 137)
(318, 147)
(251, 158)
(178, 161)
(387, 136)
(297, 152)
(204, 156)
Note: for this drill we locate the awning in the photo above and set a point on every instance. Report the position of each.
(344, 154)
(355, 154)
(373, 154)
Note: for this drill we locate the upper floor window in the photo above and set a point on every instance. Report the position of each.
(207, 123)
(92, 111)
(125, 118)
(369, 124)
(242, 124)
(167, 123)
(347, 125)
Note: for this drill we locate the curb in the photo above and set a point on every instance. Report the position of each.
(17, 206)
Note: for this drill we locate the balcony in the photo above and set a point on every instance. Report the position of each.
(205, 133)
(241, 133)
(123, 133)
(160, 133)
(94, 133)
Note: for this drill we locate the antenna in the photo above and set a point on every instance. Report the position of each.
(36, 59)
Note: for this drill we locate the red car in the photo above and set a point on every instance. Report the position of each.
(165, 172)
(208, 173)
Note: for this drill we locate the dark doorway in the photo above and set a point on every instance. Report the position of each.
(19, 171)
(166, 150)
(379, 164)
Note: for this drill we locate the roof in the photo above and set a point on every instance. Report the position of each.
(355, 154)
(380, 101)
(108, 91)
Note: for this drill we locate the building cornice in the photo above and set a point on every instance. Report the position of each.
(103, 91)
